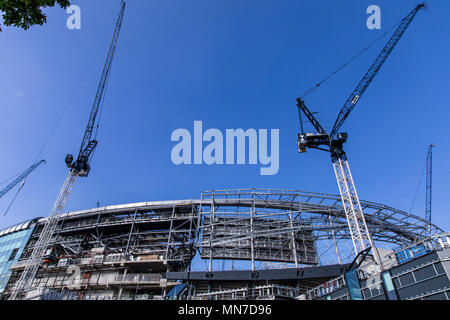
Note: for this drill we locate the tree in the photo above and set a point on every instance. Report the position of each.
(26, 13)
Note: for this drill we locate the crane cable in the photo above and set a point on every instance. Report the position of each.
(58, 120)
(20, 189)
(17, 193)
(100, 116)
(10, 178)
(418, 187)
(15, 196)
(66, 107)
(312, 89)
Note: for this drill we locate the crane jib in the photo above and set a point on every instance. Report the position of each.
(373, 70)
(87, 139)
(20, 178)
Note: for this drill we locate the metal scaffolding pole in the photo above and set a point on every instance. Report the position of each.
(294, 245)
(334, 240)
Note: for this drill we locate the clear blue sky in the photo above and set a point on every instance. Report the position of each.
(231, 64)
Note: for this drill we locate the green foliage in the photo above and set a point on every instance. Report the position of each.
(26, 13)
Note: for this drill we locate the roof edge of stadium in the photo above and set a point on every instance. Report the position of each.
(18, 227)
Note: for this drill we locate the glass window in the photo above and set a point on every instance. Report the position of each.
(11, 248)
(13, 254)
(354, 287)
(388, 281)
(390, 289)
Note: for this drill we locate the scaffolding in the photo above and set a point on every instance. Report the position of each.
(114, 247)
(246, 229)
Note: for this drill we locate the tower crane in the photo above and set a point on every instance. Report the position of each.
(333, 143)
(21, 177)
(78, 168)
(428, 188)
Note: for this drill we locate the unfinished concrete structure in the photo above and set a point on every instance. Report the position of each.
(144, 250)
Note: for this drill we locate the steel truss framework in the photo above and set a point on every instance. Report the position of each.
(223, 218)
(242, 224)
(236, 223)
(136, 242)
(357, 225)
(163, 229)
(34, 262)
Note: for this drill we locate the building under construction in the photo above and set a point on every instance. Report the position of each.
(282, 244)
(294, 244)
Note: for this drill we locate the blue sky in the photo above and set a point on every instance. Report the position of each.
(231, 64)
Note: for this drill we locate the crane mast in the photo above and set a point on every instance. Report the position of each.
(428, 188)
(81, 165)
(78, 168)
(20, 178)
(333, 143)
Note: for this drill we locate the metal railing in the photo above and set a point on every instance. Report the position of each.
(326, 288)
(433, 243)
(137, 278)
(259, 292)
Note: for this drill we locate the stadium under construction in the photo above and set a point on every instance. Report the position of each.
(282, 244)
(294, 244)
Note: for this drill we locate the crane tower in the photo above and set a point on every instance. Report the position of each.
(334, 141)
(429, 184)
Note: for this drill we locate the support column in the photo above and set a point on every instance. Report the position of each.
(252, 239)
(294, 245)
(131, 232)
(211, 236)
(123, 279)
(335, 242)
(359, 231)
(170, 232)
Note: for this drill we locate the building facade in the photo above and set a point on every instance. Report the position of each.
(12, 244)
(416, 272)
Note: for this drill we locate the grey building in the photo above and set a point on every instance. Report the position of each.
(416, 272)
